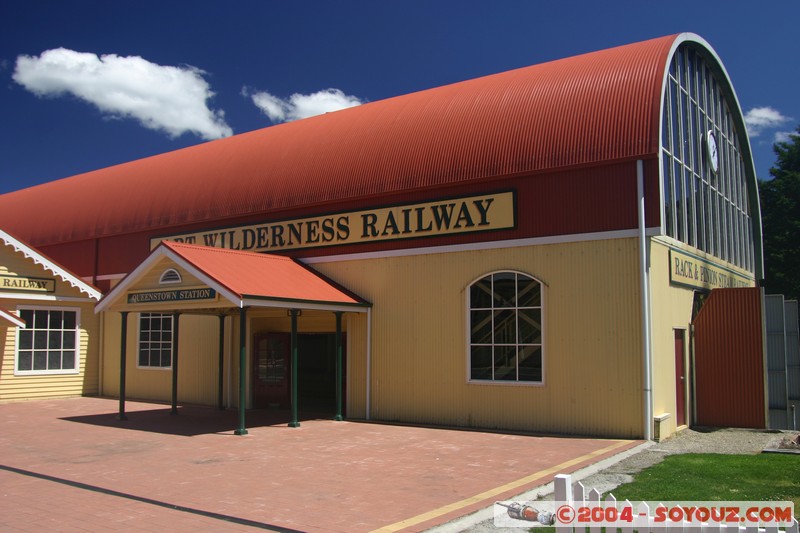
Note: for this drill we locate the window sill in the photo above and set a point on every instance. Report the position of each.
(506, 383)
(24, 373)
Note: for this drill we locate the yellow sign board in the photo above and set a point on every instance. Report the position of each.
(443, 217)
(26, 284)
(689, 270)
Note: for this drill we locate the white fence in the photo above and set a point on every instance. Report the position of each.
(578, 496)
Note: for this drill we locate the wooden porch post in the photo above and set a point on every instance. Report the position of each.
(294, 423)
(122, 364)
(339, 376)
(175, 334)
(221, 360)
(241, 430)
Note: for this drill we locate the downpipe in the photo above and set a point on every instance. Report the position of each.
(645, 296)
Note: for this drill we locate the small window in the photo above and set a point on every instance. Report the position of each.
(49, 342)
(505, 318)
(155, 340)
(170, 275)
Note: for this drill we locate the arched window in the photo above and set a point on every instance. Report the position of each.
(170, 275)
(505, 325)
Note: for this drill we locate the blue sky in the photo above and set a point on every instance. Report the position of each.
(89, 84)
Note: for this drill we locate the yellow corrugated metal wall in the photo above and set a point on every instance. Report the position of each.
(592, 336)
(198, 365)
(671, 309)
(357, 365)
(592, 342)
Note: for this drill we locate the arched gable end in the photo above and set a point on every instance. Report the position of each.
(709, 189)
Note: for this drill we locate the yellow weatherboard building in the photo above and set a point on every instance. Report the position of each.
(48, 328)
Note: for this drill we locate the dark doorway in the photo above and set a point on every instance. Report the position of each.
(316, 376)
(316, 379)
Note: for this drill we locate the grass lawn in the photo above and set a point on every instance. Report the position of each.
(713, 477)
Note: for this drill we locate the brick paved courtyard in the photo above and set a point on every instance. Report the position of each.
(69, 465)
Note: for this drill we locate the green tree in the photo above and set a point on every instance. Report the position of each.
(780, 212)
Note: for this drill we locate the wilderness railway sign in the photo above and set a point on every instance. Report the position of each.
(430, 219)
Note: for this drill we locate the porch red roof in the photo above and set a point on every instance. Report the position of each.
(253, 275)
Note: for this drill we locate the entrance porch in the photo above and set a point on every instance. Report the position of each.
(271, 303)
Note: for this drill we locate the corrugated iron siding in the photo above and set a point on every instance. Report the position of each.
(198, 364)
(729, 360)
(356, 387)
(792, 349)
(777, 394)
(592, 328)
(671, 308)
(589, 109)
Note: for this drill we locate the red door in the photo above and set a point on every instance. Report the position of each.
(271, 370)
(680, 378)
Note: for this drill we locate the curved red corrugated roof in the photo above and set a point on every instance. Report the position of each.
(581, 110)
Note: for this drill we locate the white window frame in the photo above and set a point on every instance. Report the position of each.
(78, 352)
(139, 366)
(468, 333)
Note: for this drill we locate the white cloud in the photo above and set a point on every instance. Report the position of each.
(272, 106)
(759, 119)
(784, 136)
(300, 106)
(161, 98)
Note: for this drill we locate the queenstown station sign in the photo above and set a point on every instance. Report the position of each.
(430, 219)
(176, 295)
